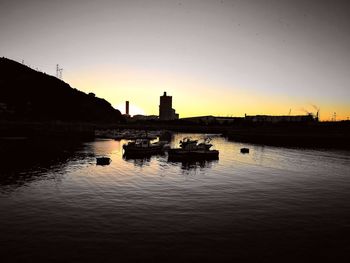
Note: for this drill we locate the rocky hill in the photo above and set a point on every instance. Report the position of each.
(29, 95)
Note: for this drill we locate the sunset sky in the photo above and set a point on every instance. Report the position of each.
(215, 57)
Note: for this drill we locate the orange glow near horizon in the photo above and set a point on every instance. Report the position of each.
(191, 97)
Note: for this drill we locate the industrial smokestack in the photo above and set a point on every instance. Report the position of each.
(127, 107)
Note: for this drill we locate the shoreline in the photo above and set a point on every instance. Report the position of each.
(326, 135)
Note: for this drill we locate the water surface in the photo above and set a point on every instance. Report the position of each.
(271, 204)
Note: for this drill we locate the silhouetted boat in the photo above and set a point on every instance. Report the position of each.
(190, 150)
(103, 161)
(143, 147)
(244, 150)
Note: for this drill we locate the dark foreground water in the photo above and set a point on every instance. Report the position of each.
(274, 204)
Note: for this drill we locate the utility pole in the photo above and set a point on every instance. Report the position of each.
(334, 118)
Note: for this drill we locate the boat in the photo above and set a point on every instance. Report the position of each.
(192, 150)
(143, 147)
(103, 161)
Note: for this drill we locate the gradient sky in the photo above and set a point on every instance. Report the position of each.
(215, 57)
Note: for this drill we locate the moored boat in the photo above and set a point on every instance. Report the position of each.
(143, 147)
(191, 150)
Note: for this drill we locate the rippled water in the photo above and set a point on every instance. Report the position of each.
(271, 204)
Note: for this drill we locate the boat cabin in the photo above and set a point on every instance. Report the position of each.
(144, 143)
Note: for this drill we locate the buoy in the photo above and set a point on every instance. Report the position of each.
(103, 161)
(244, 150)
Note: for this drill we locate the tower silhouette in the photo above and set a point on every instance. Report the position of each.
(166, 112)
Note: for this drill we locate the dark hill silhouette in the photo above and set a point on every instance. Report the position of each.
(26, 94)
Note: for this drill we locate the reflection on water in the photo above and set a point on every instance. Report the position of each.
(56, 204)
(188, 165)
(24, 160)
(138, 161)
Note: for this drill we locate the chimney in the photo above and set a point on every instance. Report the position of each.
(164, 93)
(127, 107)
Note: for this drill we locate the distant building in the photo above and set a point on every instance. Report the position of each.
(166, 111)
(249, 119)
(140, 117)
(213, 119)
(285, 118)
